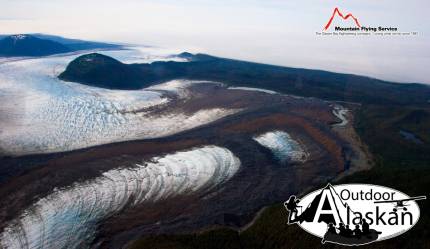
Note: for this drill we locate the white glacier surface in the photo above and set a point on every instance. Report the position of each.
(283, 147)
(67, 218)
(41, 114)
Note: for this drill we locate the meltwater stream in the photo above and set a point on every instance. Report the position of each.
(67, 218)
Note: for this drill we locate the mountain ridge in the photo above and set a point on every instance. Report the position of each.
(43, 45)
(28, 45)
(297, 81)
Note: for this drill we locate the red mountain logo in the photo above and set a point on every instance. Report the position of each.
(336, 11)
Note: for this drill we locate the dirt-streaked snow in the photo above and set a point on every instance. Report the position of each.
(340, 112)
(252, 89)
(283, 147)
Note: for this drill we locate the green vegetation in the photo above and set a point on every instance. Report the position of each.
(104, 71)
(380, 126)
(400, 164)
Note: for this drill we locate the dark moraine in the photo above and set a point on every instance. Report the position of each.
(260, 181)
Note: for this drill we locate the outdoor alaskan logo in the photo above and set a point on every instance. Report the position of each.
(354, 214)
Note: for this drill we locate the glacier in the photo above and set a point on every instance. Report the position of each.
(283, 147)
(67, 218)
(42, 114)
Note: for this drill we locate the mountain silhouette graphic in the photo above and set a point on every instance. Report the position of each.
(341, 208)
(337, 11)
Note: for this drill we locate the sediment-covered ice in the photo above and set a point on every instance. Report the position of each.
(340, 112)
(283, 147)
(42, 114)
(67, 218)
(252, 89)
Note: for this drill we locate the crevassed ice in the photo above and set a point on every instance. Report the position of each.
(340, 112)
(41, 114)
(67, 218)
(283, 146)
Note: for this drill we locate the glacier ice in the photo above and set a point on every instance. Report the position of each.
(67, 218)
(283, 146)
(340, 112)
(42, 114)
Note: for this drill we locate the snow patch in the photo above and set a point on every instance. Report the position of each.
(18, 37)
(252, 89)
(340, 112)
(283, 147)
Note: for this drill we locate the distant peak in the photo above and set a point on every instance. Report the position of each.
(19, 36)
(185, 54)
(195, 57)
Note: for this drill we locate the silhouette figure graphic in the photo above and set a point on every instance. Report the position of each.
(345, 236)
(338, 228)
(365, 226)
(357, 231)
(292, 206)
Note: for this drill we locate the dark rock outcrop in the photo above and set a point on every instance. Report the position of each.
(297, 81)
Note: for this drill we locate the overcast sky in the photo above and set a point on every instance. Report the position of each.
(272, 31)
